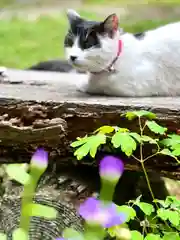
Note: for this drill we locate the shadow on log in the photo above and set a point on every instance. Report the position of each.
(44, 109)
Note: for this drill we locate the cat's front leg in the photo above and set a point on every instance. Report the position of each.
(86, 87)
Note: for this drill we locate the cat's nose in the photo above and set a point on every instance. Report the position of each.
(73, 58)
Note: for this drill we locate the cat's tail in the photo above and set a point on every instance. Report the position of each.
(52, 65)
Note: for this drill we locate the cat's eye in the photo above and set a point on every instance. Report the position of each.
(90, 40)
(69, 41)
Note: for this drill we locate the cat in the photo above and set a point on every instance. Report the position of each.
(123, 64)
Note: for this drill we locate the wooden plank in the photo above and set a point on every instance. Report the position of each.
(44, 109)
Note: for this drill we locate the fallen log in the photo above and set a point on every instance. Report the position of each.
(44, 109)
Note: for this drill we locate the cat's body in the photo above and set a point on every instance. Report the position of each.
(148, 65)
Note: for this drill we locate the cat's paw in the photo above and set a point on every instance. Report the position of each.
(82, 87)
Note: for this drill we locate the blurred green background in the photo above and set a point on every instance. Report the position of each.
(33, 31)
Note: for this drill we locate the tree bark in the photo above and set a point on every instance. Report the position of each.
(46, 110)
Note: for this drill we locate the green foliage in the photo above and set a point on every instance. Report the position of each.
(147, 208)
(3, 236)
(124, 141)
(171, 236)
(119, 232)
(13, 171)
(38, 210)
(88, 145)
(19, 233)
(129, 212)
(172, 216)
(154, 127)
(105, 129)
(167, 152)
(29, 180)
(70, 233)
(152, 236)
(169, 210)
(135, 235)
(142, 113)
(128, 142)
(173, 143)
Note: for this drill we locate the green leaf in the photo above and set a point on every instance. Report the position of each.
(162, 213)
(171, 236)
(161, 202)
(146, 208)
(173, 201)
(79, 142)
(105, 129)
(70, 233)
(123, 130)
(19, 233)
(17, 173)
(167, 142)
(120, 232)
(152, 236)
(128, 211)
(145, 138)
(130, 115)
(3, 236)
(38, 210)
(125, 142)
(142, 113)
(176, 151)
(136, 201)
(167, 152)
(136, 136)
(174, 137)
(82, 151)
(156, 128)
(135, 235)
(174, 217)
(173, 141)
(90, 145)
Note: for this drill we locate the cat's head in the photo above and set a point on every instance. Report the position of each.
(91, 45)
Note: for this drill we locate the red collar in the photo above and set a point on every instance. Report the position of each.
(110, 67)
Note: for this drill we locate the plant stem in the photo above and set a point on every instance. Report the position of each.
(153, 155)
(143, 167)
(147, 180)
(107, 190)
(142, 160)
(27, 199)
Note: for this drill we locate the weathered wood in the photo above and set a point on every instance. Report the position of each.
(46, 110)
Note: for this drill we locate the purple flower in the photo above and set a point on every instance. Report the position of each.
(111, 168)
(106, 215)
(40, 159)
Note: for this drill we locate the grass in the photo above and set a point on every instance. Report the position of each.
(23, 42)
(132, 2)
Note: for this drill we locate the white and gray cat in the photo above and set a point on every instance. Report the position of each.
(124, 64)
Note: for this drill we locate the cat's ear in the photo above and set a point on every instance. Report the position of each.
(72, 16)
(111, 24)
